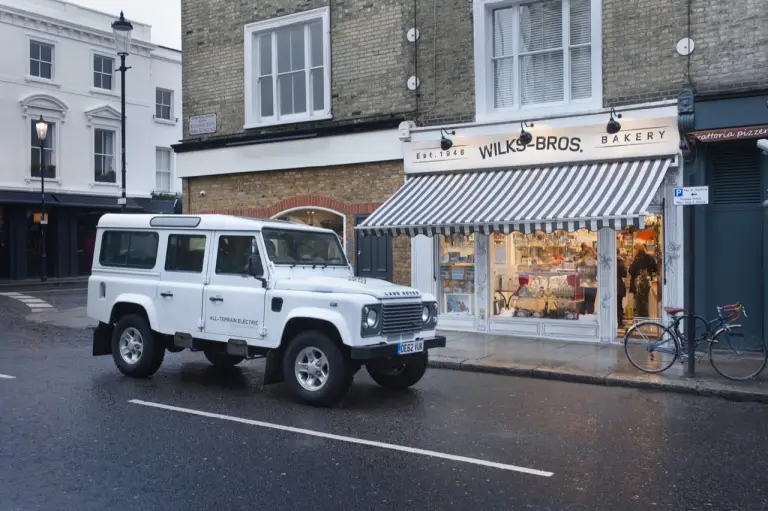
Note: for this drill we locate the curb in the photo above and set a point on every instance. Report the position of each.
(696, 387)
(32, 283)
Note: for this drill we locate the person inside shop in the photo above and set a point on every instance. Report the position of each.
(642, 262)
(587, 260)
(621, 288)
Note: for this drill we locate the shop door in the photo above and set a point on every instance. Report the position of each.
(34, 245)
(734, 233)
(373, 258)
(5, 253)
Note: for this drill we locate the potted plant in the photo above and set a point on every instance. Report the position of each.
(50, 171)
(35, 168)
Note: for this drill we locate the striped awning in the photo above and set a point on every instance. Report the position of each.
(572, 197)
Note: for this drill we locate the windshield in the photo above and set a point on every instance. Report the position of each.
(286, 246)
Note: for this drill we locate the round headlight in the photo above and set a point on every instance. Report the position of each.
(371, 318)
(425, 314)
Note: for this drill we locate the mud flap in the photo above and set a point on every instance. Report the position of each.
(102, 340)
(273, 373)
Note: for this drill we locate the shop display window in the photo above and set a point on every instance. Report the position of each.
(639, 272)
(540, 275)
(457, 274)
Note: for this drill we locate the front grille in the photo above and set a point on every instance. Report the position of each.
(400, 318)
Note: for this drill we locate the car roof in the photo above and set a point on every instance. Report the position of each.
(204, 222)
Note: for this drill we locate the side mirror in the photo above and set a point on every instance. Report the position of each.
(255, 268)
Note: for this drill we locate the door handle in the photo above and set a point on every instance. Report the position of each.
(167, 294)
(216, 299)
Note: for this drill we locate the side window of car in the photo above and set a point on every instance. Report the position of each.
(129, 249)
(233, 254)
(185, 253)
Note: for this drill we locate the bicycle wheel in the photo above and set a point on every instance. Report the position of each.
(737, 354)
(651, 346)
(701, 327)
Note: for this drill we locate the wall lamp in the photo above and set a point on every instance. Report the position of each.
(525, 137)
(613, 125)
(445, 142)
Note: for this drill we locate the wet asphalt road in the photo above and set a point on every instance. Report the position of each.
(71, 439)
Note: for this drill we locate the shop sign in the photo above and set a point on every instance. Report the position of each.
(202, 124)
(691, 196)
(637, 139)
(724, 135)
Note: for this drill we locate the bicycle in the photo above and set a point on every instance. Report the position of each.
(670, 345)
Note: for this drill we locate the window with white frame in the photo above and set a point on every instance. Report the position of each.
(288, 69)
(539, 54)
(162, 169)
(163, 104)
(41, 60)
(47, 165)
(103, 68)
(104, 155)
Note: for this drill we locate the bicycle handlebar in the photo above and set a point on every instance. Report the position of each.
(735, 309)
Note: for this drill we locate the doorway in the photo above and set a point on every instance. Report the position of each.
(735, 261)
(374, 254)
(317, 217)
(34, 245)
(639, 269)
(5, 254)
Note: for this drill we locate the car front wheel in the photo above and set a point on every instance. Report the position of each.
(399, 374)
(316, 369)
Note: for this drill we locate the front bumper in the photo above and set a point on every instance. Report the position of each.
(390, 350)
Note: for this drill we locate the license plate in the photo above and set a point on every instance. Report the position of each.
(410, 347)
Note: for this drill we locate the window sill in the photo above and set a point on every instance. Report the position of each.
(94, 184)
(532, 113)
(169, 122)
(95, 91)
(44, 81)
(320, 117)
(51, 180)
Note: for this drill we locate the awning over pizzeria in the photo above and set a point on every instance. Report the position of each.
(568, 197)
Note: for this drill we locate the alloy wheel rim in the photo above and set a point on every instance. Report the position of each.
(131, 345)
(312, 369)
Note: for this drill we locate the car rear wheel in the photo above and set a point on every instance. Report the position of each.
(136, 350)
(219, 359)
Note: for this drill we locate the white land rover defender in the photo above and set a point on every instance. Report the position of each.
(240, 288)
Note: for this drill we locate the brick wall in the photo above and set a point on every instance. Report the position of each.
(640, 60)
(370, 58)
(446, 61)
(350, 190)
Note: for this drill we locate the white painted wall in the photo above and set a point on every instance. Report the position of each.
(372, 146)
(70, 100)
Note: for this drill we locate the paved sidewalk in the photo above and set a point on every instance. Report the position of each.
(599, 364)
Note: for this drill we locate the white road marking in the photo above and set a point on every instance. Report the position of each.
(341, 438)
(7, 377)
(36, 304)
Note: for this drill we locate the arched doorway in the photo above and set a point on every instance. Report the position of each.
(318, 217)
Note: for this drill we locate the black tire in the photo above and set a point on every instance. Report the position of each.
(152, 350)
(221, 359)
(753, 354)
(636, 355)
(399, 376)
(338, 371)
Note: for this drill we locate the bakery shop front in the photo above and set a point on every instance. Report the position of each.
(559, 231)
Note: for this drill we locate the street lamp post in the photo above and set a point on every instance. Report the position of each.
(122, 30)
(42, 133)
